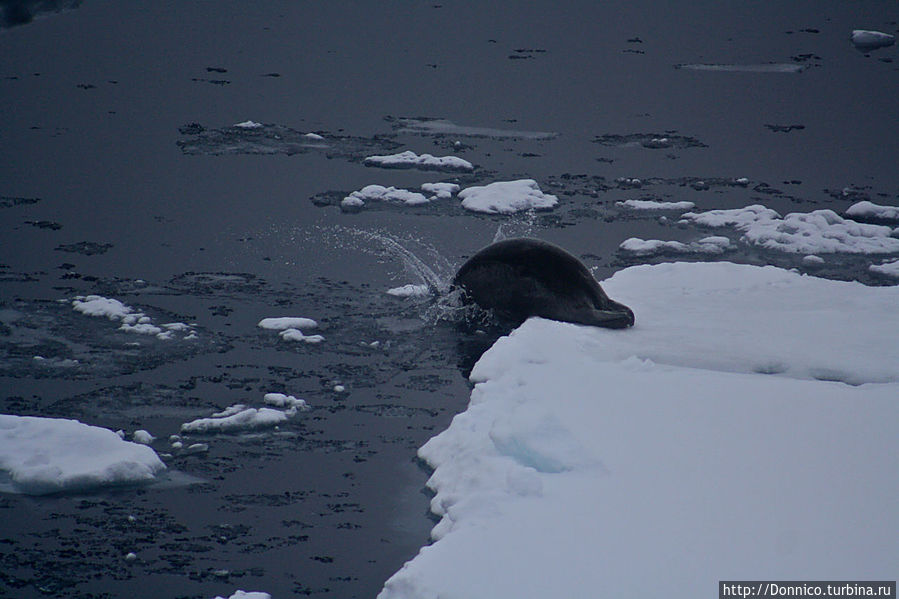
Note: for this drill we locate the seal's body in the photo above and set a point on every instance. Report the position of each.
(518, 278)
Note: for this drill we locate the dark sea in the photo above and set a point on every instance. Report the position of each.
(122, 175)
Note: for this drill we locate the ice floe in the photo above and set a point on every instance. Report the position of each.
(440, 191)
(290, 328)
(410, 290)
(131, 320)
(869, 40)
(52, 455)
(656, 205)
(409, 159)
(820, 231)
(240, 418)
(645, 247)
(870, 210)
(590, 461)
(507, 197)
(380, 193)
(889, 268)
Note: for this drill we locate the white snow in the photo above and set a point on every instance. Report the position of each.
(131, 320)
(645, 247)
(440, 191)
(890, 269)
(51, 455)
(656, 205)
(289, 328)
(287, 322)
(247, 595)
(817, 232)
(872, 39)
(409, 159)
(507, 197)
(410, 290)
(281, 400)
(143, 437)
(866, 209)
(709, 442)
(357, 199)
(249, 125)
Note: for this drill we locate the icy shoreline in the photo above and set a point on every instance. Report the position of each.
(718, 439)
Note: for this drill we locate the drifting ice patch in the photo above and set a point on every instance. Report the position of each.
(870, 40)
(656, 205)
(289, 328)
(357, 199)
(647, 247)
(817, 232)
(132, 321)
(239, 417)
(870, 210)
(52, 455)
(507, 197)
(409, 159)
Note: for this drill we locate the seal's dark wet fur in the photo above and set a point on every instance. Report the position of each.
(518, 278)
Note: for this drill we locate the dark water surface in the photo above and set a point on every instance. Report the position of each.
(121, 174)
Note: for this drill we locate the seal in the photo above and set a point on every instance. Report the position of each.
(523, 277)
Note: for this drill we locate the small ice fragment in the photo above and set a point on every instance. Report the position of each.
(131, 556)
(441, 191)
(812, 260)
(339, 388)
(656, 205)
(282, 400)
(177, 444)
(197, 448)
(297, 335)
(409, 291)
(314, 136)
(143, 437)
(120, 433)
(287, 322)
(249, 125)
(870, 40)
(743, 181)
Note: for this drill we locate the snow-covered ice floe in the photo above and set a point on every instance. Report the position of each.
(240, 418)
(507, 197)
(409, 159)
(817, 232)
(710, 442)
(869, 40)
(380, 193)
(714, 244)
(656, 205)
(290, 328)
(889, 268)
(53, 455)
(131, 320)
(866, 209)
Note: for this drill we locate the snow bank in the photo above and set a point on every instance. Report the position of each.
(656, 205)
(658, 460)
(646, 247)
(52, 455)
(410, 159)
(131, 320)
(507, 197)
(866, 209)
(870, 40)
(289, 328)
(380, 193)
(817, 232)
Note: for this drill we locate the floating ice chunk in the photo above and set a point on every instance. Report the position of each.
(142, 328)
(409, 159)
(866, 209)
(812, 260)
(767, 67)
(410, 291)
(143, 437)
(339, 388)
(869, 40)
(507, 197)
(51, 455)
(314, 136)
(230, 411)
(249, 125)
(95, 305)
(820, 231)
(243, 420)
(742, 181)
(440, 191)
(890, 269)
(247, 595)
(656, 205)
(281, 400)
(287, 322)
(357, 199)
(298, 335)
(132, 321)
(646, 247)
